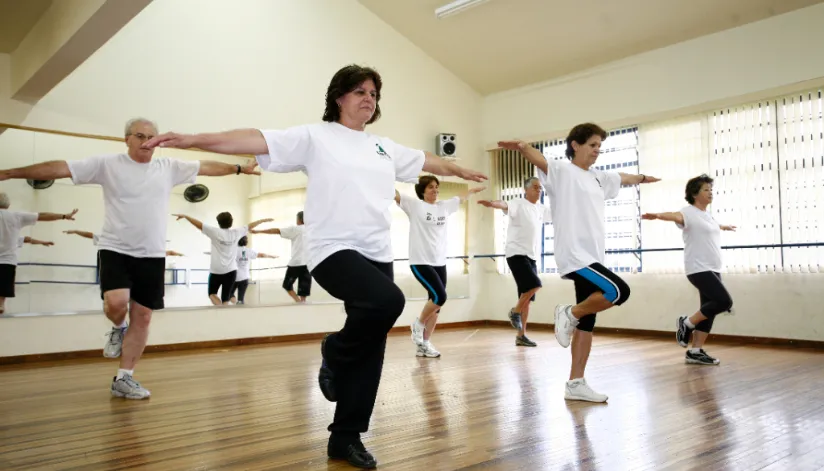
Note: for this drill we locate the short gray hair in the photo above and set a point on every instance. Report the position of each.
(529, 181)
(4, 201)
(134, 121)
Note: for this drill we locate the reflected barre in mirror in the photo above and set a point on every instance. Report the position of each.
(63, 278)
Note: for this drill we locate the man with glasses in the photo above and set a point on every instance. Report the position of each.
(132, 243)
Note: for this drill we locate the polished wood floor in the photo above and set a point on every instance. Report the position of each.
(484, 405)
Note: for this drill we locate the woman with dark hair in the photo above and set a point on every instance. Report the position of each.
(351, 175)
(702, 265)
(245, 255)
(427, 252)
(577, 194)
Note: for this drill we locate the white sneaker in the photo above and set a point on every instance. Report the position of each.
(564, 324)
(427, 350)
(417, 332)
(129, 388)
(114, 344)
(579, 390)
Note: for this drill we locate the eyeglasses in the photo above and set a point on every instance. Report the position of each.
(140, 136)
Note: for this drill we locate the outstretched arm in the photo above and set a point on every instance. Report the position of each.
(533, 155)
(724, 227)
(497, 204)
(192, 220)
(172, 253)
(255, 224)
(468, 193)
(273, 231)
(630, 179)
(264, 255)
(56, 217)
(439, 166)
(676, 217)
(397, 197)
(51, 170)
(86, 234)
(29, 240)
(211, 168)
(239, 141)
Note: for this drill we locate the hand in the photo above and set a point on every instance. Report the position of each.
(170, 139)
(48, 243)
(254, 231)
(267, 220)
(487, 203)
(479, 189)
(649, 216)
(650, 179)
(179, 216)
(69, 232)
(249, 169)
(513, 145)
(70, 216)
(728, 228)
(471, 175)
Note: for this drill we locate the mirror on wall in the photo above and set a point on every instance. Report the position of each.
(63, 277)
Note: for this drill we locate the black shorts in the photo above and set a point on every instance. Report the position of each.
(225, 282)
(8, 273)
(145, 278)
(303, 277)
(525, 272)
(433, 280)
(597, 278)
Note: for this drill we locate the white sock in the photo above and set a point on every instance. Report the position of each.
(121, 372)
(122, 324)
(575, 381)
(695, 350)
(688, 323)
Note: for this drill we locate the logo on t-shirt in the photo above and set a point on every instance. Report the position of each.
(382, 152)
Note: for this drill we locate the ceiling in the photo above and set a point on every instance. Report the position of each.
(504, 44)
(17, 17)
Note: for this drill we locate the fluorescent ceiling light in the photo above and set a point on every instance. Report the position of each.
(456, 7)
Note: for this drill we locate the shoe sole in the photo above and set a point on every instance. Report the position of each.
(365, 466)
(111, 356)
(516, 326)
(677, 330)
(696, 362)
(423, 355)
(129, 396)
(583, 399)
(558, 330)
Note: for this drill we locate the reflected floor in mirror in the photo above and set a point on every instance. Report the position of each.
(485, 404)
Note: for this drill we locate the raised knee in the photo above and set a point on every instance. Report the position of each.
(442, 299)
(116, 307)
(393, 301)
(727, 305)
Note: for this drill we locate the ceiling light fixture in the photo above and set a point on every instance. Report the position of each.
(456, 7)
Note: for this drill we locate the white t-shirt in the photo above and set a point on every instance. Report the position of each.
(427, 229)
(702, 241)
(297, 235)
(136, 199)
(11, 222)
(523, 235)
(224, 247)
(351, 185)
(577, 199)
(244, 261)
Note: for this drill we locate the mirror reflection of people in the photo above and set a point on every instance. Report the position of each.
(132, 245)
(702, 265)
(223, 266)
(11, 223)
(245, 255)
(296, 269)
(351, 174)
(428, 244)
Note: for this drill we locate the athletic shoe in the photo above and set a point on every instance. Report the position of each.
(682, 332)
(565, 324)
(129, 388)
(700, 358)
(523, 341)
(427, 350)
(515, 320)
(579, 390)
(114, 344)
(417, 331)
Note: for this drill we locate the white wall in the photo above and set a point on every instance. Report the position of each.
(780, 53)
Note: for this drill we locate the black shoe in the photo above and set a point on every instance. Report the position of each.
(682, 332)
(700, 358)
(523, 341)
(356, 455)
(515, 320)
(326, 379)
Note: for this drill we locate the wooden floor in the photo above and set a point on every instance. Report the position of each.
(484, 405)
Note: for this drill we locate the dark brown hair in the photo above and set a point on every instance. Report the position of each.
(694, 187)
(224, 220)
(300, 216)
(424, 182)
(581, 134)
(344, 81)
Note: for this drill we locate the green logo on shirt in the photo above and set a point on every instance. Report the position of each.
(381, 152)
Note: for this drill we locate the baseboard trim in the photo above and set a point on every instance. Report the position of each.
(211, 344)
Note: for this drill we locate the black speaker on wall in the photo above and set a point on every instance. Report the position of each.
(40, 184)
(446, 145)
(196, 193)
